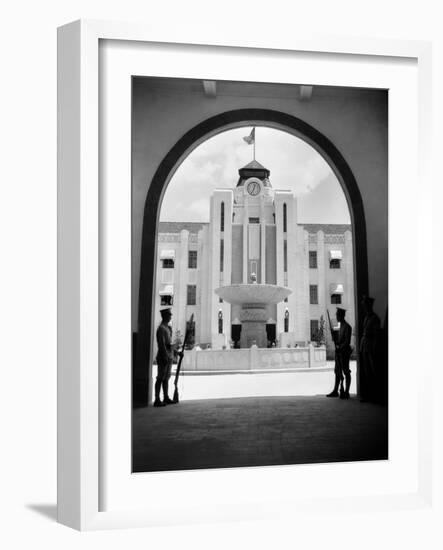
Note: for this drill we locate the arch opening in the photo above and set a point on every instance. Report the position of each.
(159, 184)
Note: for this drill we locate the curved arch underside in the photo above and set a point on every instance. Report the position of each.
(204, 130)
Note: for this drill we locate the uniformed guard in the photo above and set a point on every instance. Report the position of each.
(343, 350)
(165, 356)
(369, 349)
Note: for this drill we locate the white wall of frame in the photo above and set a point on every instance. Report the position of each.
(28, 221)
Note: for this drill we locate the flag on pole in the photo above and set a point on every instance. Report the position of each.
(251, 138)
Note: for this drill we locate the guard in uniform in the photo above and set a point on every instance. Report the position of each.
(343, 352)
(165, 356)
(369, 349)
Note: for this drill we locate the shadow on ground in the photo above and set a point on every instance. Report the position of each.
(47, 510)
(257, 431)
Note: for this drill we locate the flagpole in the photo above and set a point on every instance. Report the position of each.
(254, 142)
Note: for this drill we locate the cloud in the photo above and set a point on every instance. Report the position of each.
(294, 165)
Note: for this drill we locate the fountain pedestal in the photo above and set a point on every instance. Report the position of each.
(256, 301)
(253, 318)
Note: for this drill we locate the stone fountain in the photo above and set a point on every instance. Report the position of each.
(255, 305)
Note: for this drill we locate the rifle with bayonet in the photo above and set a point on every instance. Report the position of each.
(175, 399)
(337, 355)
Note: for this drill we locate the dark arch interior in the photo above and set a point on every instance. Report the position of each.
(142, 353)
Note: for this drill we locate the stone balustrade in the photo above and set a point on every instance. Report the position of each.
(254, 358)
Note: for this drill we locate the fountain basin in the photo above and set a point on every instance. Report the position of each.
(253, 293)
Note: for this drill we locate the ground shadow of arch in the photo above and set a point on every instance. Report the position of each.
(141, 374)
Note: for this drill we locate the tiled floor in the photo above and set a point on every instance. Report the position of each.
(253, 431)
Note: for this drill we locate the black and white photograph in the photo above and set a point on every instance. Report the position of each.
(221, 268)
(259, 274)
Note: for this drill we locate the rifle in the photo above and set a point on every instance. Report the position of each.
(342, 390)
(175, 399)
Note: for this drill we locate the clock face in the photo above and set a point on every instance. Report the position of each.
(253, 188)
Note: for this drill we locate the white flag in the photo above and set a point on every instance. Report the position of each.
(251, 138)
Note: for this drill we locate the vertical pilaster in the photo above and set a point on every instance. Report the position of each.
(323, 290)
(262, 241)
(181, 276)
(245, 240)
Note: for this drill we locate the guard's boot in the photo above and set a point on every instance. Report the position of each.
(334, 392)
(345, 394)
(157, 401)
(166, 399)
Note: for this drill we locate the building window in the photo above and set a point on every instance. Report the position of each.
(335, 298)
(222, 216)
(285, 218)
(286, 320)
(313, 259)
(222, 254)
(192, 295)
(285, 255)
(334, 264)
(168, 263)
(220, 300)
(192, 259)
(166, 300)
(313, 294)
(314, 329)
(254, 220)
(220, 321)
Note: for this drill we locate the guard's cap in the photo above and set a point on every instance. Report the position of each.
(368, 300)
(341, 310)
(165, 310)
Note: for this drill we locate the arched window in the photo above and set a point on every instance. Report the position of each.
(285, 255)
(222, 255)
(285, 218)
(220, 321)
(286, 320)
(222, 216)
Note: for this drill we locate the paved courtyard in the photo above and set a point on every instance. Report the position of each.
(232, 420)
(260, 383)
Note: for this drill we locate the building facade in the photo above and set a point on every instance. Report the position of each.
(253, 235)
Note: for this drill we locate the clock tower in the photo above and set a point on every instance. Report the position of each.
(254, 238)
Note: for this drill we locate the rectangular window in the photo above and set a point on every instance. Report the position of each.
(334, 264)
(254, 220)
(166, 300)
(313, 259)
(336, 299)
(168, 263)
(314, 329)
(313, 294)
(222, 254)
(192, 259)
(192, 295)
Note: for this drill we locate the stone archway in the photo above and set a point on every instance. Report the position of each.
(202, 131)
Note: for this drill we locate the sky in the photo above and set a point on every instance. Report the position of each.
(293, 163)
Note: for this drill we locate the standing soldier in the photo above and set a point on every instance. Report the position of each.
(343, 351)
(164, 358)
(368, 349)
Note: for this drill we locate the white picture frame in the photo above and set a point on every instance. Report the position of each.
(79, 361)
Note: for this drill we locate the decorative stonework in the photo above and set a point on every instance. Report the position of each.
(168, 238)
(328, 239)
(253, 315)
(334, 239)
